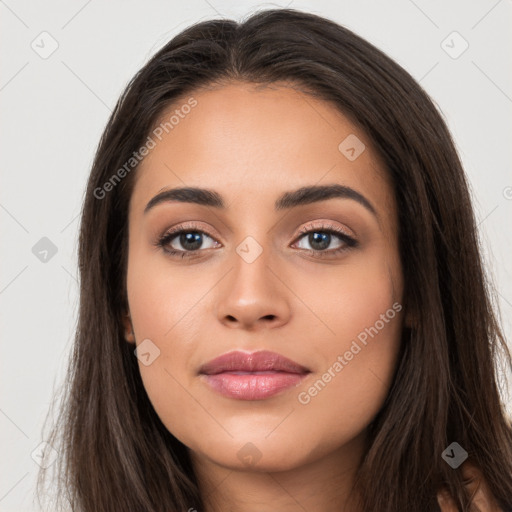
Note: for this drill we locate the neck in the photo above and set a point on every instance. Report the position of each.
(322, 484)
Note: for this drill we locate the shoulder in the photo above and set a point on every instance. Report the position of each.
(477, 488)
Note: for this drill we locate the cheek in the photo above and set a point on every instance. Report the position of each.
(163, 306)
(361, 334)
(164, 310)
(163, 298)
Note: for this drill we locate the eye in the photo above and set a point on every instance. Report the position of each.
(185, 241)
(321, 237)
(188, 241)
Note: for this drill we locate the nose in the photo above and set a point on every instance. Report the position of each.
(253, 296)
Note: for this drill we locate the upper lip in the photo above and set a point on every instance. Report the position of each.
(263, 360)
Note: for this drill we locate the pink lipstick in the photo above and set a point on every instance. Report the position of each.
(252, 376)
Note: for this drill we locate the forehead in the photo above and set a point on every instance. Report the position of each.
(252, 143)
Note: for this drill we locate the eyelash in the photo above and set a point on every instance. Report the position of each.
(349, 242)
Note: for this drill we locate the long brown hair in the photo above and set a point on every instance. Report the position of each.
(115, 453)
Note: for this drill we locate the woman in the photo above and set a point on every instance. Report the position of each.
(327, 341)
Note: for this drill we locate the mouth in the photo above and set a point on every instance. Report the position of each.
(252, 376)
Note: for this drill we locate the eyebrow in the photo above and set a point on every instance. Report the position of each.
(299, 197)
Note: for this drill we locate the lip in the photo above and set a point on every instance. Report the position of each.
(252, 376)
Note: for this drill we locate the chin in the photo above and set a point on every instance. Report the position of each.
(256, 455)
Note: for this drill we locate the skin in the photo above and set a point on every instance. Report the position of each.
(250, 145)
(476, 487)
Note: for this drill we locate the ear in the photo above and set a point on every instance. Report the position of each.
(410, 319)
(129, 335)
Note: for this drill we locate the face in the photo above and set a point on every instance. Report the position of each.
(253, 266)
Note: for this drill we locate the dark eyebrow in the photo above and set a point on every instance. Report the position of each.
(299, 197)
(313, 194)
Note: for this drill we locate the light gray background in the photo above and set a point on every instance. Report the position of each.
(54, 111)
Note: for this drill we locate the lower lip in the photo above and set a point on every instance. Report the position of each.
(253, 386)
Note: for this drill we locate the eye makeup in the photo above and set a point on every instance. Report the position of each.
(320, 233)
